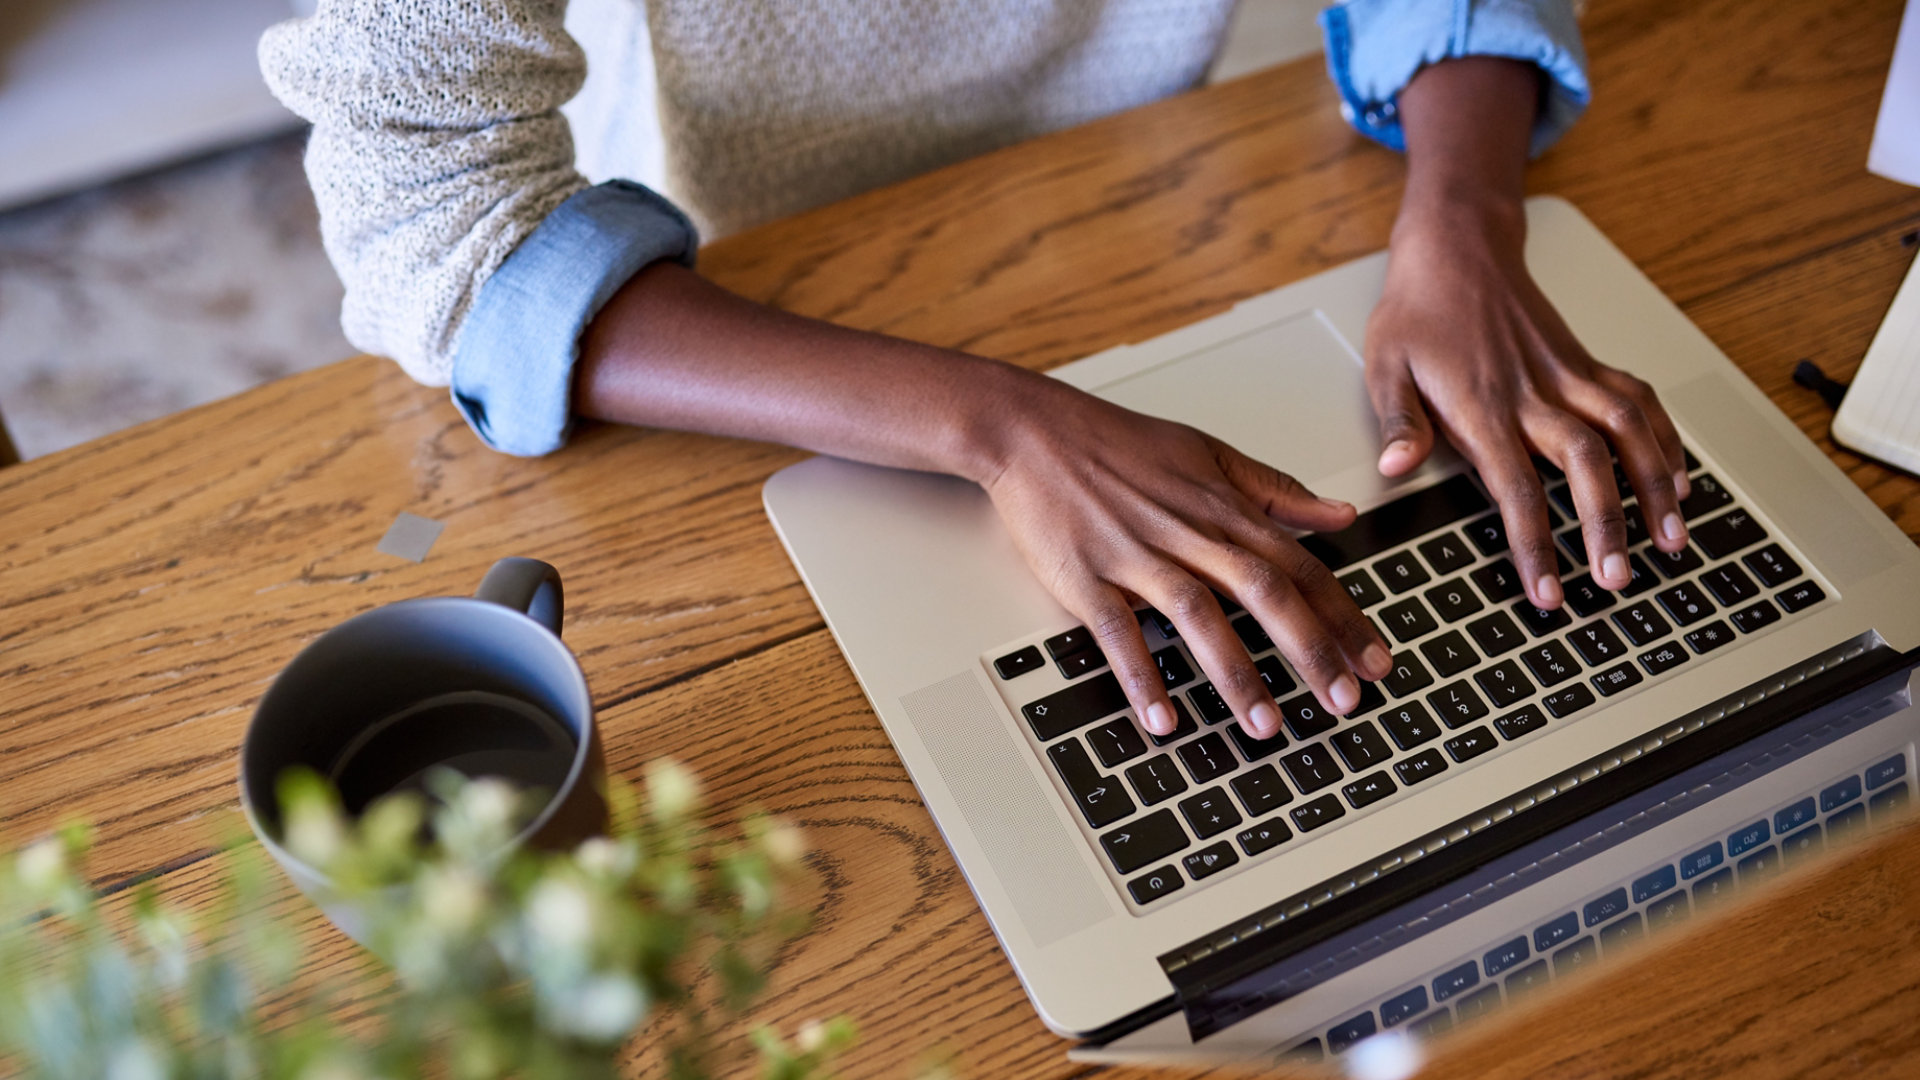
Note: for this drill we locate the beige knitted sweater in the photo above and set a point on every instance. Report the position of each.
(438, 144)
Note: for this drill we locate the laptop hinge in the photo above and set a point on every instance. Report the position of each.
(1204, 970)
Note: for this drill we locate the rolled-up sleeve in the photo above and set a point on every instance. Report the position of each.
(1376, 47)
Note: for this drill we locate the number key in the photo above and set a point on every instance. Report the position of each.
(1773, 566)
(1504, 683)
(1642, 624)
(1551, 663)
(1686, 603)
(1457, 704)
(1311, 768)
(1361, 746)
(1409, 725)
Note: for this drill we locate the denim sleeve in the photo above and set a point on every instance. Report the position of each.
(1375, 47)
(513, 365)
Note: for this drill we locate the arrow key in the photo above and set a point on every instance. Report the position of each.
(1209, 860)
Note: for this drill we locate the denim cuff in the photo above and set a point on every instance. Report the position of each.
(1376, 47)
(513, 365)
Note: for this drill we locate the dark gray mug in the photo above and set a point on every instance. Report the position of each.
(481, 685)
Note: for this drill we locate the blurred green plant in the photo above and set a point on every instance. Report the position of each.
(535, 965)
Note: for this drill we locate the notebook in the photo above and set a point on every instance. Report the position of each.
(1881, 414)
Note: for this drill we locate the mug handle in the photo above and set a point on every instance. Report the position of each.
(526, 585)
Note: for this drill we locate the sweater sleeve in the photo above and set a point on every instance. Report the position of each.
(438, 150)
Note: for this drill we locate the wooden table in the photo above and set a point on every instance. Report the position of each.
(152, 582)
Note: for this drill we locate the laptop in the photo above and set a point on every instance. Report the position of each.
(1212, 895)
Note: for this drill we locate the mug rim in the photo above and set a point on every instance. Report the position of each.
(583, 748)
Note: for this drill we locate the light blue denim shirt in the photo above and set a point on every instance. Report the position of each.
(513, 365)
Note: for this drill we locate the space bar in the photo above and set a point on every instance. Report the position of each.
(1397, 522)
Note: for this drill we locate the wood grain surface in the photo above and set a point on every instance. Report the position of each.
(153, 582)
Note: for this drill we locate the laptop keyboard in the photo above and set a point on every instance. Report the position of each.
(1661, 896)
(1475, 666)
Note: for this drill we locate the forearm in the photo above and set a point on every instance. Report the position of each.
(1468, 122)
(673, 350)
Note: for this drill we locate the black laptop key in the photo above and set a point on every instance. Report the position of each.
(1071, 642)
(1585, 596)
(1264, 837)
(1847, 824)
(1574, 545)
(1401, 1008)
(1888, 805)
(1840, 794)
(1401, 571)
(1695, 863)
(1667, 911)
(1116, 741)
(1150, 887)
(1183, 726)
(1456, 704)
(1642, 623)
(1675, 564)
(1431, 1026)
(1156, 780)
(1686, 603)
(1663, 658)
(1101, 799)
(1148, 840)
(1801, 596)
(1551, 662)
(1470, 744)
(1522, 721)
(1209, 860)
(1360, 746)
(1369, 789)
(1261, 791)
(1305, 718)
(1506, 955)
(1748, 837)
(1564, 703)
(1173, 667)
(1477, 1004)
(1310, 816)
(1252, 635)
(1498, 580)
(1760, 865)
(1648, 886)
(1707, 496)
(1540, 620)
(1274, 674)
(1801, 845)
(1409, 725)
(1772, 565)
(1360, 586)
(1755, 616)
(1084, 662)
(1643, 577)
(1254, 749)
(1160, 622)
(1504, 683)
(1408, 676)
(1454, 600)
(1562, 496)
(1420, 766)
(1447, 553)
(1791, 818)
(1209, 813)
(1728, 533)
(1456, 980)
(1407, 620)
(1075, 707)
(1597, 644)
(1551, 935)
(1311, 768)
(1370, 699)
(1606, 907)
(1489, 534)
(1575, 957)
(1346, 1033)
(1209, 704)
(1729, 584)
(1495, 633)
(1529, 979)
(1710, 637)
(1207, 757)
(1621, 676)
(1885, 772)
(1018, 662)
(1386, 527)
(1449, 653)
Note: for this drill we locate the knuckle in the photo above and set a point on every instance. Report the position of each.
(1608, 520)
(1317, 653)
(1187, 600)
(1141, 682)
(1585, 448)
(1113, 625)
(1261, 583)
(1241, 683)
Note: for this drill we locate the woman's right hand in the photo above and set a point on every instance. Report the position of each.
(1110, 506)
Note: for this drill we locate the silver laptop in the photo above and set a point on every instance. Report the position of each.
(1166, 895)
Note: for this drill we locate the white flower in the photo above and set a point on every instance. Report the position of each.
(813, 1036)
(606, 1007)
(602, 857)
(784, 844)
(136, 1059)
(452, 898)
(561, 914)
(315, 836)
(41, 866)
(671, 787)
(489, 804)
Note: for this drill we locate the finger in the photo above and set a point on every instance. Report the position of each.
(1279, 496)
(1271, 596)
(1406, 434)
(1222, 656)
(1116, 630)
(1507, 469)
(1582, 454)
(1367, 653)
(1664, 431)
(1630, 429)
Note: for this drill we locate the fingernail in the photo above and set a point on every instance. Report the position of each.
(1673, 527)
(1682, 486)
(1614, 567)
(1266, 719)
(1335, 504)
(1377, 659)
(1548, 589)
(1346, 694)
(1160, 718)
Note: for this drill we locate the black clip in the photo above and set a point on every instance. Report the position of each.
(1808, 374)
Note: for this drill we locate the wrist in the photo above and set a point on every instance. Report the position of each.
(1459, 220)
(992, 403)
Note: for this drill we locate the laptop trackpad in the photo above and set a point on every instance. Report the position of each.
(1291, 394)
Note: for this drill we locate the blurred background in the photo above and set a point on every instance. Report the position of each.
(158, 244)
